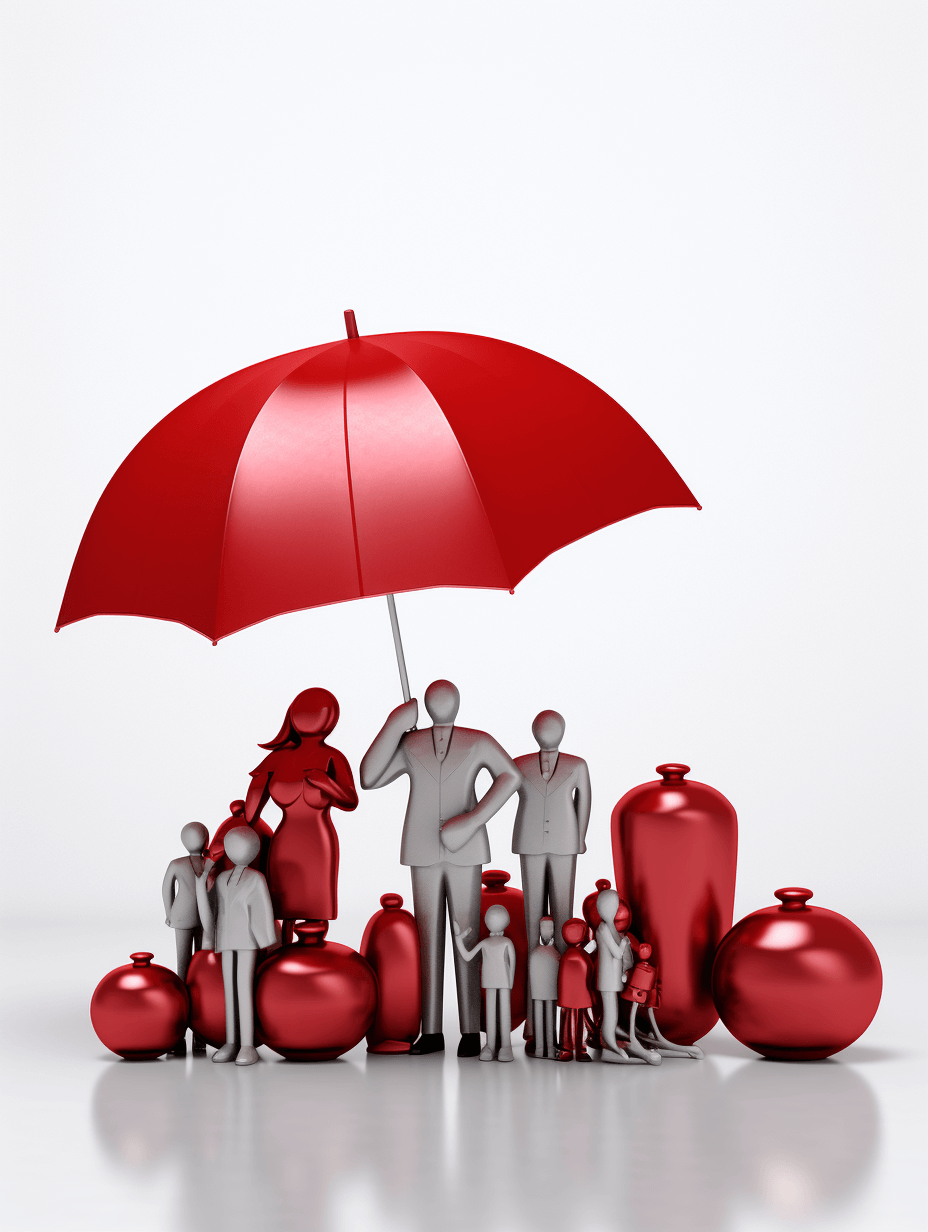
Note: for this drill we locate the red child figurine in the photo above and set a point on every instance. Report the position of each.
(305, 777)
(217, 852)
(574, 992)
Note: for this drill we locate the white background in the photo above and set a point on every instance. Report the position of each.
(714, 211)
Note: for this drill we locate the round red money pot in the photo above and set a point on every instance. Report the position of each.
(794, 982)
(675, 846)
(140, 1011)
(391, 946)
(207, 998)
(315, 999)
(496, 891)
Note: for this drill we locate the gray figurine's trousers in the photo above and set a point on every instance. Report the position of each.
(458, 886)
(548, 887)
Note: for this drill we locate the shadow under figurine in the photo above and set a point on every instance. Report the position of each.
(497, 972)
(244, 924)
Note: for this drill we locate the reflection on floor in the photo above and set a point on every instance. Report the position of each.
(433, 1143)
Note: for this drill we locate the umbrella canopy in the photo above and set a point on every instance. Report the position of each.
(361, 467)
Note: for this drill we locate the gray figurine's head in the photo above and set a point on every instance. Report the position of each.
(546, 929)
(496, 918)
(548, 729)
(242, 845)
(442, 701)
(607, 904)
(194, 836)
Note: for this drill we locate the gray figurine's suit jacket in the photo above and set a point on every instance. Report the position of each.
(546, 820)
(439, 791)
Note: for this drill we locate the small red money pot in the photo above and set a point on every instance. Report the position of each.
(207, 999)
(794, 982)
(495, 890)
(315, 999)
(675, 847)
(391, 946)
(140, 1011)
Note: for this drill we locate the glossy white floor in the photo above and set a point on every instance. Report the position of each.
(397, 1144)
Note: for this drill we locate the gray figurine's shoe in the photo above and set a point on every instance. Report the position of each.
(505, 1054)
(227, 1052)
(486, 1053)
(247, 1055)
(470, 1044)
(426, 1044)
(620, 1058)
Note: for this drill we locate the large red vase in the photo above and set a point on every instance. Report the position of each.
(140, 1011)
(674, 847)
(315, 999)
(495, 890)
(794, 982)
(391, 946)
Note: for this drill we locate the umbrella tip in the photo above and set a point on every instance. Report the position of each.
(351, 324)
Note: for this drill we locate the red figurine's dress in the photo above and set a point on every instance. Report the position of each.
(573, 980)
(302, 869)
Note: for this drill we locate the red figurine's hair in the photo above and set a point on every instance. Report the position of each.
(321, 704)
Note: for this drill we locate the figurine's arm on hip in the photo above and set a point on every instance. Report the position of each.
(382, 762)
(506, 781)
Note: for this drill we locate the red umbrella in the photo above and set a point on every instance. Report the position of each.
(361, 467)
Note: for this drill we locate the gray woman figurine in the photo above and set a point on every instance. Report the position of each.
(614, 960)
(243, 925)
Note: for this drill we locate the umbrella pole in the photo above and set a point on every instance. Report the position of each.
(398, 643)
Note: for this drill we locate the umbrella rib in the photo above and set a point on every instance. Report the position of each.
(354, 520)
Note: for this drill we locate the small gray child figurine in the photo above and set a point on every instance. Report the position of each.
(542, 984)
(179, 893)
(497, 971)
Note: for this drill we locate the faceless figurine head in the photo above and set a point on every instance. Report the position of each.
(314, 712)
(236, 807)
(548, 730)
(546, 928)
(194, 837)
(607, 904)
(242, 845)
(575, 932)
(496, 918)
(442, 701)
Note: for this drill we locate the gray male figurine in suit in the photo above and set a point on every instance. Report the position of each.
(444, 840)
(550, 829)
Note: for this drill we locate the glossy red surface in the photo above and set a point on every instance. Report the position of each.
(315, 999)
(495, 890)
(575, 973)
(796, 982)
(140, 1011)
(360, 467)
(391, 946)
(589, 910)
(675, 848)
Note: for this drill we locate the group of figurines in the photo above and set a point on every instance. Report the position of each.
(243, 892)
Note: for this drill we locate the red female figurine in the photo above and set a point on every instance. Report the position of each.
(574, 992)
(305, 777)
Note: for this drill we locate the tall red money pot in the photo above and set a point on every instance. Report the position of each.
(495, 890)
(391, 946)
(139, 1011)
(674, 848)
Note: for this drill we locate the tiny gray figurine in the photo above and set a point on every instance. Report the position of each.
(550, 828)
(179, 895)
(444, 839)
(244, 924)
(497, 971)
(614, 960)
(542, 985)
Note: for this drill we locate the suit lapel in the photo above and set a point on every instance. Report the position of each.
(424, 753)
(458, 750)
(562, 771)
